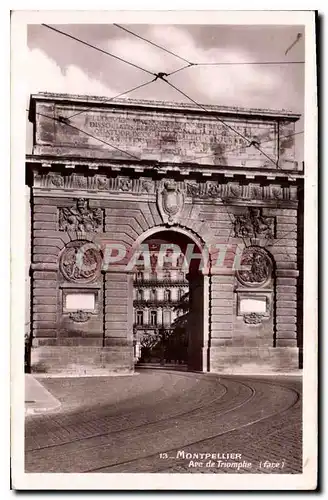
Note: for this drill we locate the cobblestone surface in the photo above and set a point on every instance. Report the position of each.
(160, 421)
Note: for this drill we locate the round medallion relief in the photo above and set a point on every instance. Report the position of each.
(80, 261)
(259, 267)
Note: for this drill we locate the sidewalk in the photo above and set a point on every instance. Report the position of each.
(37, 397)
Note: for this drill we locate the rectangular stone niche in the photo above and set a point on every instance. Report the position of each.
(80, 301)
(254, 302)
(253, 305)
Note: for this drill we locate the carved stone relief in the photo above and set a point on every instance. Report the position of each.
(79, 316)
(258, 267)
(55, 180)
(101, 183)
(253, 318)
(170, 200)
(125, 184)
(80, 262)
(253, 224)
(81, 218)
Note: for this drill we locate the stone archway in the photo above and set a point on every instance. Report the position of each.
(123, 200)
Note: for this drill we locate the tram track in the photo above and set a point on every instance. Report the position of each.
(170, 450)
(238, 398)
(129, 428)
(181, 464)
(148, 422)
(63, 453)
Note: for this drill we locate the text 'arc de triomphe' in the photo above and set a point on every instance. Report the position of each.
(125, 170)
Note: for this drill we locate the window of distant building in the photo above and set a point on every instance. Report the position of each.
(140, 294)
(167, 295)
(166, 274)
(139, 318)
(153, 294)
(167, 317)
(140, 275)
(180, 260)
(153, 318)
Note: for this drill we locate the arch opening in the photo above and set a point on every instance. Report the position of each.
(168, 325)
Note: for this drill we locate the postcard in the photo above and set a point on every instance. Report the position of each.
(164, 299)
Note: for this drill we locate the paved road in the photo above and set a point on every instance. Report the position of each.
(161, 421)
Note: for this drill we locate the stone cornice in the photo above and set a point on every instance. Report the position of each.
(86, 101)
(112, 167)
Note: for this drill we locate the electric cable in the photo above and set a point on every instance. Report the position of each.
(116, 96)
(248, 63)
(97, 48)
(190, 63)
(152, 43)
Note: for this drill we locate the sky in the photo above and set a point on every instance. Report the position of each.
(59, 64)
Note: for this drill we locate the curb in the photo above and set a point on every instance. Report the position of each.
(37, 398)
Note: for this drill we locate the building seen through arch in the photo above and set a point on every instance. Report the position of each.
(158, 302)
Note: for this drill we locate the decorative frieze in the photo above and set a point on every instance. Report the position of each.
(143, 185)
(235, 190)
(97, 182)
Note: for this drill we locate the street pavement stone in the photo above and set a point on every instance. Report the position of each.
(129, 424)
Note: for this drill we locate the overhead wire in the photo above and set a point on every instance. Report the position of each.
(117, 96)
(189, 64)
(179, 69)
(152, 43)
(97, 48)
(248, 63)
(192, 63)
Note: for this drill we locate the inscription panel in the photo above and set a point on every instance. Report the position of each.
(166, 136)
(188, 139)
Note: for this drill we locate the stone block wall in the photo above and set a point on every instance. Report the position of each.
(125, 221)
(101, 344)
